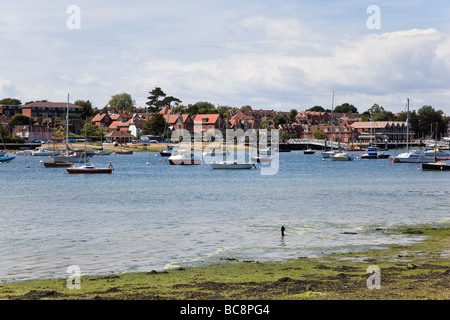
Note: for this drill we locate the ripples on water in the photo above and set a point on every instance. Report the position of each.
(144, 217)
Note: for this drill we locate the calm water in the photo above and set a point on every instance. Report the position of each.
(150, 217)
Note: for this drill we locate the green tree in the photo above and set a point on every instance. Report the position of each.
(204, 107)
(91, 130)
(292, 115)
(319, 135)
(377, 113)
(156, 98)
(122, 101)
(247, 107)
(266, 123)
(428, 118)
(86, 106)
(279, 119)
(11, 101)
(317, 109)
(20, 119)
(346, 108)
(155, 125)
(167, 101)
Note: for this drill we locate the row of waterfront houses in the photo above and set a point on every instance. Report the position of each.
(125, 127)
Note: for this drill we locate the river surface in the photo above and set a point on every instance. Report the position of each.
(148, 215)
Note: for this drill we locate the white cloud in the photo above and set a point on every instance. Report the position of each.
(221, 55)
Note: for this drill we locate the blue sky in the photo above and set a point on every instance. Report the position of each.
(268, 54)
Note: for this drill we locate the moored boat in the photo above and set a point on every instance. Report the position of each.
(124, 152)
(183, 157)
(438, 166)
(374, 153)
(230, 165)
(90, 169)
(58, 164)
(342, 156)
(7, 158)
(44, 151)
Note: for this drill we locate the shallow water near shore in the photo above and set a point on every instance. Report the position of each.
(156, 216)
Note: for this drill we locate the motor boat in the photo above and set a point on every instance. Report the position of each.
(183, 157)
(342, 156)
(90, 169)
(44, 151)
(230, 164)
(374, 153)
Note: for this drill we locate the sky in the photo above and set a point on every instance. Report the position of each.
(280, 55)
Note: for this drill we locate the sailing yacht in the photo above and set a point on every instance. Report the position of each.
(231, 164)
(438, 162)
(331, 152)
(418, 155)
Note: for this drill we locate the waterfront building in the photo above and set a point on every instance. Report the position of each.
(53, 110)
(381, 131)
(204, 122)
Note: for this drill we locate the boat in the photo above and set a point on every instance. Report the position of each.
(43, 151)
(328, 154)
(100, 152)
(90, 169)
(166, 153)
(6, 158)
(231, 164)
(438, 166)
(342, 156)
(73, 155)
(24, 152)
(419, 156)
(183, 157)
(58, 164)
(415, 155)
(438, 163)
(309, 151)
(375, 153)
(260, 158)
(124, 152)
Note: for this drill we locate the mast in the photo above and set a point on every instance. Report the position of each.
(332, 107)
(407, 127)
(67, 125)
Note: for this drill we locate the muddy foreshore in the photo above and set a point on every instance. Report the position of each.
(417, 272)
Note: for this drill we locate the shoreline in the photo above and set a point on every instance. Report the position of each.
(419, 271)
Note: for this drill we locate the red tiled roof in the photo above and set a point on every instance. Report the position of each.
(210, 118)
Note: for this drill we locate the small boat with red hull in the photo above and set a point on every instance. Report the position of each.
(124, 152)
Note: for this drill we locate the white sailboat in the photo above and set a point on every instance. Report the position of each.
(71, 155)
(328, 154)
(231, 164)
(417, 155)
